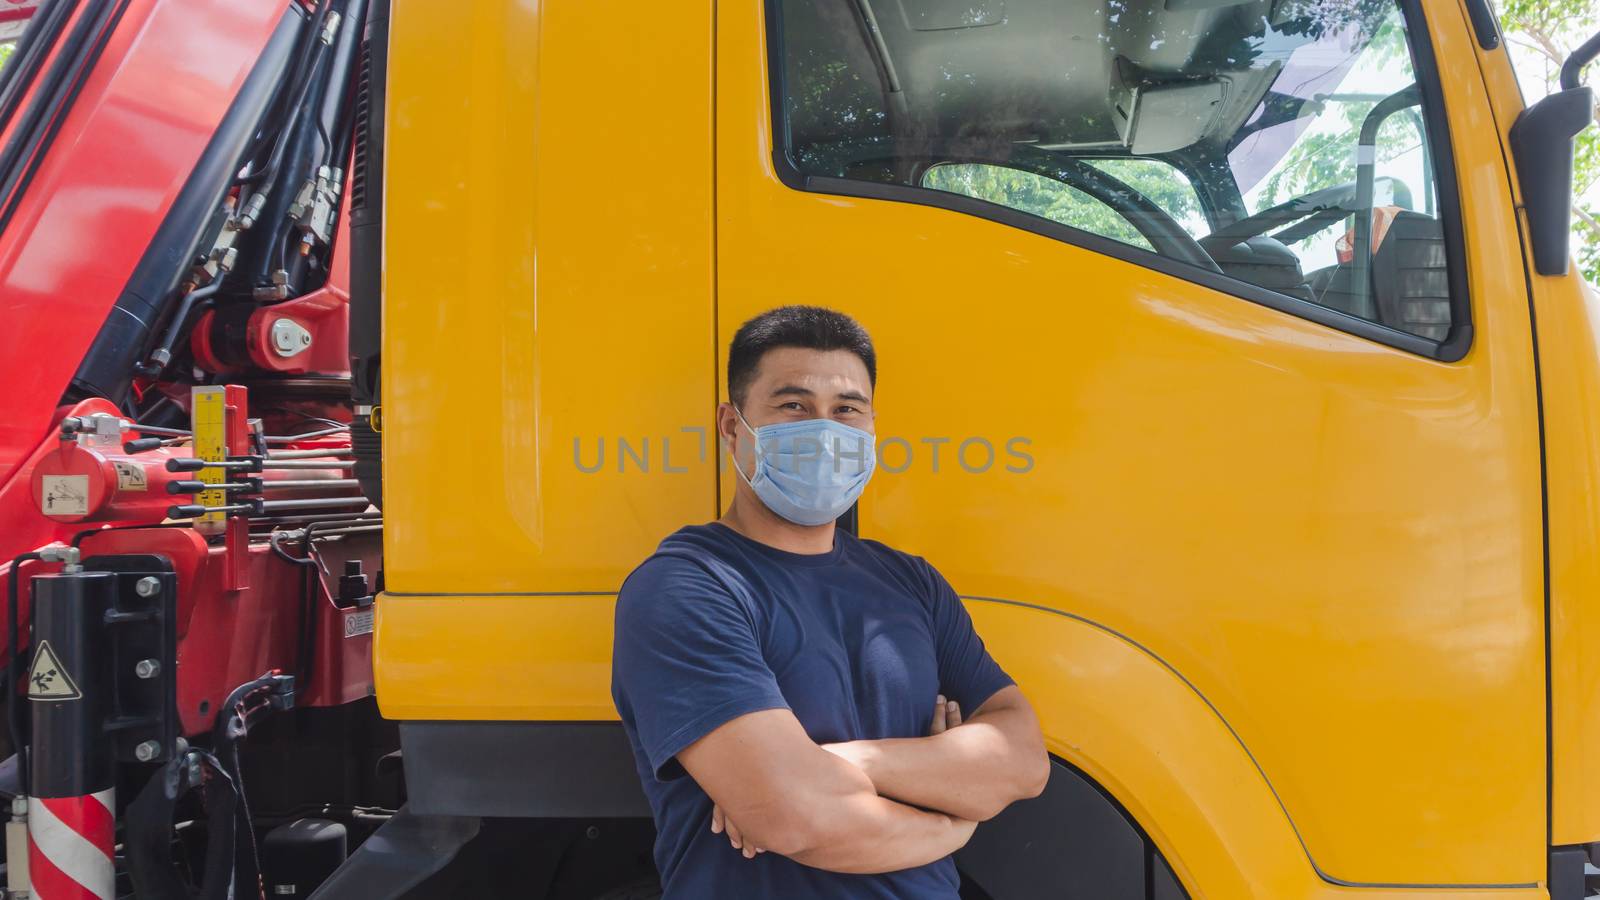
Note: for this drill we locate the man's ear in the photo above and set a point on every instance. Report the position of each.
(727, 424)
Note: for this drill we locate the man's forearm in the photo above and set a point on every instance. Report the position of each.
(833, 818)
(870, 834)
(972, 771)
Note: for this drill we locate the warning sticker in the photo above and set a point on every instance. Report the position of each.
(48, 678)
(65, 495)
(357, 623)
(130, 476)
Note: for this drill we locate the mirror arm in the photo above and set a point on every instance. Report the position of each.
(1573, 67)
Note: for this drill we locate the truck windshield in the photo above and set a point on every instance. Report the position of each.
(1225, 136)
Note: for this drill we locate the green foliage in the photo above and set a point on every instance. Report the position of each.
(6, 49)
(1325, 154)
(1058, 202)
(1585, 231)
(1544, 32)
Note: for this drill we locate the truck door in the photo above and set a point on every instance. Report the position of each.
(1195, 322)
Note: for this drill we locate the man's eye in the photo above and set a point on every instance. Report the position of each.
(793, 404)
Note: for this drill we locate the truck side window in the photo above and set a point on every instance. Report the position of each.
(1258, 146)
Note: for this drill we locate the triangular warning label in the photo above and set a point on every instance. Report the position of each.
(48, 678)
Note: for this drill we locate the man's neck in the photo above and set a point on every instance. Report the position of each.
(751, 518)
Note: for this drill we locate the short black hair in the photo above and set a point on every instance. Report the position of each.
(806, 327)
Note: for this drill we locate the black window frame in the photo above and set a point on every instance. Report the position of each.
(1440, 147)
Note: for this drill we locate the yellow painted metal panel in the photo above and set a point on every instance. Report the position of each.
(1336, 541)
(1569, 347)
(547, 288)
(494, 658)
(1568, 315)
(1176, 766)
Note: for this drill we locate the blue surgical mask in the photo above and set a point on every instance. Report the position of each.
(809, 472)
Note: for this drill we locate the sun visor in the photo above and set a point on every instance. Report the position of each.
(1160, 118)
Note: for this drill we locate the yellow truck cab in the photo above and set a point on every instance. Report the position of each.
(1232, 371)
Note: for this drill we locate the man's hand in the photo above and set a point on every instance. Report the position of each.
(946, 715)
(969, 772)
(720, 823)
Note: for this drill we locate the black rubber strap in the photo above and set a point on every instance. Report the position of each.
(148, 840)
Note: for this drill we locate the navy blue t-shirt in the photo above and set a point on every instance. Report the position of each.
(857, 642)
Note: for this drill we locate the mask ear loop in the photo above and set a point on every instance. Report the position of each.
(734, 457)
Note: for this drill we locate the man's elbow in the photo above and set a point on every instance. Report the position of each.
(1022, 780)
(1032, 767)
(1029, 775)
(1034, 774)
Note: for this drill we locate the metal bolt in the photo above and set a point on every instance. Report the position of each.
(147, 750)
(147, 668)
(288, 337)
(191, 769)
(147, 586)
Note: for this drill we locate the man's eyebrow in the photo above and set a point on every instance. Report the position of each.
(853, 395)
(793, 389)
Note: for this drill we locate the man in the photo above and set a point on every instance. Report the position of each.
(776, 674)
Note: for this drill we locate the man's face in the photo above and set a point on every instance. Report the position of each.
(793, 384)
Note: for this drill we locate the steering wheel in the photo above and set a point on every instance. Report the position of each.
(1318, 209)
(1151, 221)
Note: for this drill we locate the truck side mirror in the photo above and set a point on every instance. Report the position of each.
(1541, 142)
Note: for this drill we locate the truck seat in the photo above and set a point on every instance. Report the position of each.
(1410, 283)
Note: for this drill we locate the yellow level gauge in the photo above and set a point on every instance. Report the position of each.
(208, 418)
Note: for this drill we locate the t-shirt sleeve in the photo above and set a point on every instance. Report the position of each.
(967, 673)
(685, 660)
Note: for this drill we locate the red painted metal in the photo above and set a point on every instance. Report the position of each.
(324, 313)
(71, 845)
(22, 525)
(226, 639)
(236, 538)
(121, 487)
(48, 881)
(124, 150)
(18, 10)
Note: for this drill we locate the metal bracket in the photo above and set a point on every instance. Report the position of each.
(142, 716)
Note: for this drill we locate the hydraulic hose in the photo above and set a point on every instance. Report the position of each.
(162, 354)
(306, 66)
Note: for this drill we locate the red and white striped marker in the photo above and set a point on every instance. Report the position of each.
(70, 846)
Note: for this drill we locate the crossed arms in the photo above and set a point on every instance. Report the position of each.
(868, 806)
